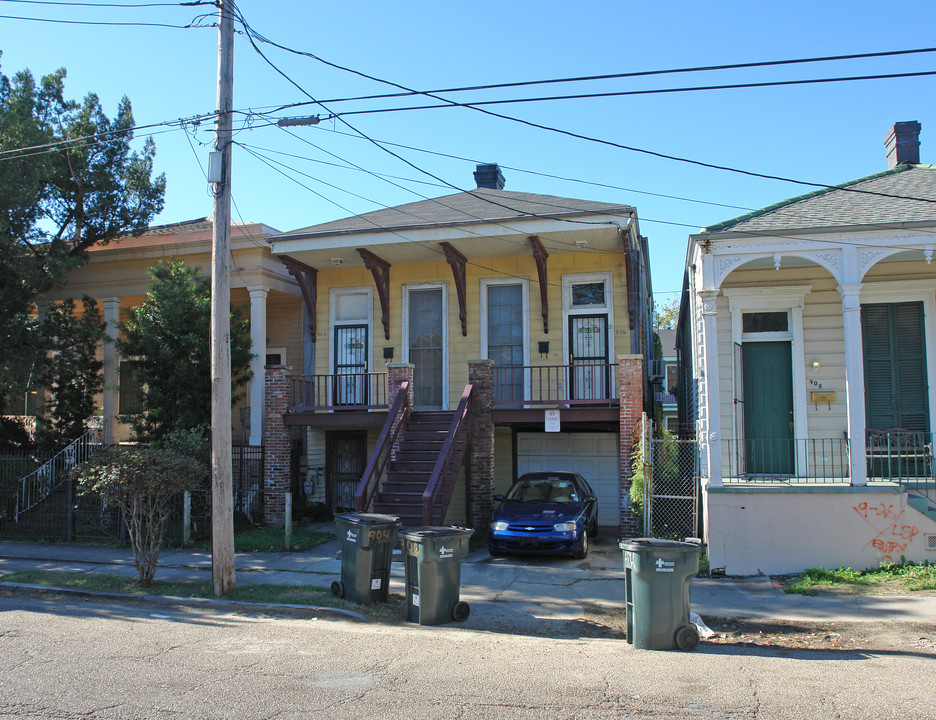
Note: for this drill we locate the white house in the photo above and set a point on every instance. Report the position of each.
(807, 338)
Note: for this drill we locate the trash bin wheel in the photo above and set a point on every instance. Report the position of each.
(687, 637)
(461, 611)
(337, 588)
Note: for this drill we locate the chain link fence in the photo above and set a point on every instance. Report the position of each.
(671, 497)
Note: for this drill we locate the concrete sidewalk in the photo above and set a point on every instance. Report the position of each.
(505, 593)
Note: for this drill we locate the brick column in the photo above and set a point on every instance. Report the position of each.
(276, 443)
(480, 475)
(630, 392)
(397, 374)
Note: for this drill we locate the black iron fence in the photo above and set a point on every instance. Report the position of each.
(64, 515)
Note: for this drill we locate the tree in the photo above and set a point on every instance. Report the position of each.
(667, 315)
(68, 181)
(168, 336)
(142, 482)
(71, 373)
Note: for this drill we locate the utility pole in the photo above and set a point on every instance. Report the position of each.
(222, 510)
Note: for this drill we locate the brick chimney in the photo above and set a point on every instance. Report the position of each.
(489, 176)
(903, 144)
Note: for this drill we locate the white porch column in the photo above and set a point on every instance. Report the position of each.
(258, 296)
(854, 382)
(712, 427)
(111, 384)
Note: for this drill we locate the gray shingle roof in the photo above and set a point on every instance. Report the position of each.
(477, 206)
(866, 201)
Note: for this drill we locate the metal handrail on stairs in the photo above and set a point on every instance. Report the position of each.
(383, 450)
(39, 484)
(441, 483)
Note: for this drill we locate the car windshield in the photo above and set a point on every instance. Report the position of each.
(549, 489)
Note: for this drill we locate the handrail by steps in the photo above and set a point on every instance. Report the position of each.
(380, 457)
(39, 484)
(445, 472)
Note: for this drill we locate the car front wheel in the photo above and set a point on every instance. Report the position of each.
(582, 552)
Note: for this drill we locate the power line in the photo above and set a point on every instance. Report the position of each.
(591, 78)
(626, 93)
(196, 22)
(111, 5)
(103, 136)
(251, 34)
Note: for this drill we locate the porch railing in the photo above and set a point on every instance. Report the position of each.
(383, 450)
(813, 460)
(905, 457)
(350, 391)
(441, 483)
(562, 385)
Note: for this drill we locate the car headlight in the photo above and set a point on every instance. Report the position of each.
(564, 527)
(498, 526)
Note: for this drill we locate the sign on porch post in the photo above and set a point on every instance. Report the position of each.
(552, 421)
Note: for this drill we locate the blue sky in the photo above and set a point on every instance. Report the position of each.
(825, 133)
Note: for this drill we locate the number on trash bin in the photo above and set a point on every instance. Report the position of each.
(379, 534)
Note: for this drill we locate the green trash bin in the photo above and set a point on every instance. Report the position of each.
(656, 587)
(367, 542)
(433, 558)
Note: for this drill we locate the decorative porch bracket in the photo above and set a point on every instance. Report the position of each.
(307, 277)
(380, 269)
(629, 262)
(458, 263)
(540, 255)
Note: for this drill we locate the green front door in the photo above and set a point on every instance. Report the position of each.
(768, 408)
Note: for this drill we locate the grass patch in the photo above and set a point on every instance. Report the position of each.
(312, 595)
(272, 539)
(893, 578)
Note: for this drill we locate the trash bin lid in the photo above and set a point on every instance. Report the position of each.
(651, 544)
(369, 518)
(430, 531)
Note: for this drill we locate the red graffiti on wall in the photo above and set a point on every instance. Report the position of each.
(892, 538)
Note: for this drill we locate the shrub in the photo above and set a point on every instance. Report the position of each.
(14, 437)
(142, 482)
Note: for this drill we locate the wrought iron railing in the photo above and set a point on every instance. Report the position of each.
(383, 450)
(39, 484)
(558, 385)
(349, 391)
(813, 460)
(441, 483)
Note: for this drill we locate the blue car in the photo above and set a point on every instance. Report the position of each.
(548, 513)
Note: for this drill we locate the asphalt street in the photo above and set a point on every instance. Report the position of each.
(77, 658)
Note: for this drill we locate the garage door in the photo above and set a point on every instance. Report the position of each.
(594, 456)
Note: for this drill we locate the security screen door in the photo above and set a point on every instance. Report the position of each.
(588, 342)
(350, 365)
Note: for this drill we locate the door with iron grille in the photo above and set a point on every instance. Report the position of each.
(589, 376)
(350, 383)
(345, 459)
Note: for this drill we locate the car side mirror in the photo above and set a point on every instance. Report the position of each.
(499, 498)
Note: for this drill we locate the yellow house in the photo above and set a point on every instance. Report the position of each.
(116, 277)
(517, 325)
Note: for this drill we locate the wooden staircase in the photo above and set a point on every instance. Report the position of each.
(421, 442)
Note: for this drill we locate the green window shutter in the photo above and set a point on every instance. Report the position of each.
(894, 366)
(911, 366)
